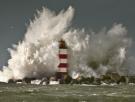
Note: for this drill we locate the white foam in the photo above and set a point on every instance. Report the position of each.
(37, 54)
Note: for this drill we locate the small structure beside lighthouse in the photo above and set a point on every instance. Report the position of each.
(62, 72)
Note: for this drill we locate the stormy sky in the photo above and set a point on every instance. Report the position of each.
(90, 14)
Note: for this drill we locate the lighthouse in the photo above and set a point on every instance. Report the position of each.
(62, 72)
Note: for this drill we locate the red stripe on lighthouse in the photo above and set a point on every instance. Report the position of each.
(62, 65)
(63, 56)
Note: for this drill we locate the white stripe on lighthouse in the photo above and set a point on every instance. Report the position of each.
(63, 61)
(63, 51)
(62, 69)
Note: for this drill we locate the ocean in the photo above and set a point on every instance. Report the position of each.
(67, 93)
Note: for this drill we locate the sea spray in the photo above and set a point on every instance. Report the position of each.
(90, 54)
(94, 54)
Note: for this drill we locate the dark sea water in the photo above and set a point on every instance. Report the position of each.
(67, 93)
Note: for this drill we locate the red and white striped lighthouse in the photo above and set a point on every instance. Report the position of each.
(63, 60)
(63, 57)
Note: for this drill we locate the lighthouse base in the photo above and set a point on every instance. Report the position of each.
(63, 77)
